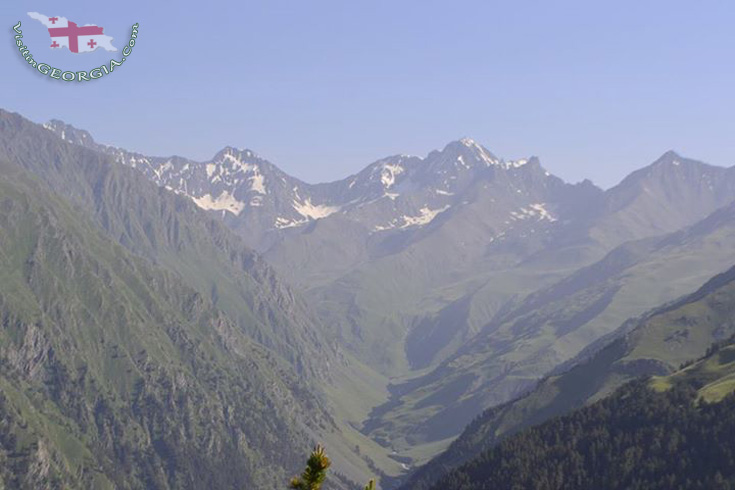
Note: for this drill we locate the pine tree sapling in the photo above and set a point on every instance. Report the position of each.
(316, 471)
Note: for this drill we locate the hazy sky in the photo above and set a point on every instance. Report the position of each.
(322, 88)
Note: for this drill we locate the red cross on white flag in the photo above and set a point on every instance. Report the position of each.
(67, 34)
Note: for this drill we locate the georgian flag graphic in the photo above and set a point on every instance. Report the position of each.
(78, 39)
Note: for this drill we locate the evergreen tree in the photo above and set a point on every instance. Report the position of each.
(316, 472)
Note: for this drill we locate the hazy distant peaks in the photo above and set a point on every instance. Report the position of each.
(231, 152)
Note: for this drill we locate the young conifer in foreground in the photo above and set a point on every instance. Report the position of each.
(316, 472)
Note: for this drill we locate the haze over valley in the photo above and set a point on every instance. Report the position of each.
(165, 318)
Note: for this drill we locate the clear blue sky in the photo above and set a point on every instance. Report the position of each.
(322, 88)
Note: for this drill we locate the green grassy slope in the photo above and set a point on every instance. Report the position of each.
(172, 232)
(713, 376)
(115, 374)
(549, 328)
(661, 433)
(160, 229)
(657, 345)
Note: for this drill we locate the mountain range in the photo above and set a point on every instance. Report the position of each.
(461, 276)
(380, 313)
(144, 345)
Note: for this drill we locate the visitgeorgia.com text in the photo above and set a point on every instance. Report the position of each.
(71, 76)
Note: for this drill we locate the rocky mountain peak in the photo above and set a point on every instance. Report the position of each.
(234, 153)
(669, 157)
(466, 152)
(69, 133)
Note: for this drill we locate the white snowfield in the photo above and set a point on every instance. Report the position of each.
(425, 216)
(224, 202)
(309, 210)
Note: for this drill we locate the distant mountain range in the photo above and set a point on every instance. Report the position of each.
(479, 274)
(462, 277)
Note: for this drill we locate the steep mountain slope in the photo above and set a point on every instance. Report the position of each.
(676, 435)
(552, 326)
(657, 344)
(412, 256)
(232, 185)
(671, 193)
(115, 374)
(345, 241)
(448, 272)
(666, 196)
(171, 232)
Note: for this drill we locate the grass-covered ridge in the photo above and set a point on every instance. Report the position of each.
(655, 345)
(713, 377)
(638, 438)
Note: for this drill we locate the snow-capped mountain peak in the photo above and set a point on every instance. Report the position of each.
(237, 169)
(467, 152)
(391, 195)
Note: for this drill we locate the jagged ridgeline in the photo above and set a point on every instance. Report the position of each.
(121, 364)
(172, 232)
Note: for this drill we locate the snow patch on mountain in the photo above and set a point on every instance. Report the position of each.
(311, 211)
(480, 152)
(224, 202)
(442, 177)
(426, 215)
(282, 223)
(516, 163)
(537, 210)
(542, 212)
(236, 163)
(389, 173)
(257, 183)
(307, 210)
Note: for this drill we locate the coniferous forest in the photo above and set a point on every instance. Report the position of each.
(636, 439)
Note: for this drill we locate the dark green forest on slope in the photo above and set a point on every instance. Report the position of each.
(672, 432)
(656, 344)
